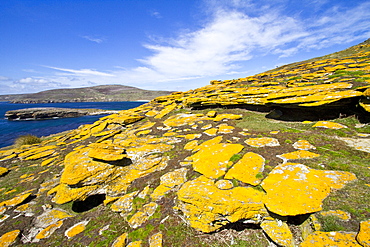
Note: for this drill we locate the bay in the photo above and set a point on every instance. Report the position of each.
(10, 130)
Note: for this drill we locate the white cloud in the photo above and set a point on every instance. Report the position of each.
(81, 72)
(156, 14)
(93, 39)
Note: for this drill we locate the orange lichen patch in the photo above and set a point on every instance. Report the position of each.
(297, 155)
(205, 127)
(213, 161)
(156, 240)
(3, 170)
(86, 167)
(225, 129)
(66, 194)
(211, 132)
(98, 127)
(166, 110)
(208, 143)
(76, 229)
(48, 161)
(16, 200)
(262, 142)
(143, 215)
(9, 238)
(224, 184)
(208, 208)
(106, 152)
(211, 114)
(135, 244)
(337, 213)
(279, 232)
(22, 208)
(143, 132)
(303, 145)
(221, 117)
(120, 241)
(281, 185)
(35, 151)
(40, 155)
(124, 203)
(191, 145)
(365, 106)
(51, 216)
(363, 236)
(329, 125)
(247, 168)
(168, 182)
(192, 136)
(183, 119)
(48, 231)
(328, 239)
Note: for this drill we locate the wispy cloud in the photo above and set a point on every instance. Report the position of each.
(81, 72)
(93, 39)
(156, 14)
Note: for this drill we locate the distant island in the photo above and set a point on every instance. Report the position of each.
(52, 112)
(104, 93)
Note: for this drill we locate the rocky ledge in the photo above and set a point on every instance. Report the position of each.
(52, 112)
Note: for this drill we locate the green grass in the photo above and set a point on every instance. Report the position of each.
(27, 140)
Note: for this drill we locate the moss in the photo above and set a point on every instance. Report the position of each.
(141, 233)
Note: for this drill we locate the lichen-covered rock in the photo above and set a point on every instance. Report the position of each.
(208, 208)
(143, 215)
(363, 236)
(297, 155)
(283, 196)
(155, 240)
(212, 161)
(183, 119)
(9, 238)
(221, 117)
(329, 239)
(169, 181)
(337, 213)
(124, 203)
(303, 145)
(329, 125)
(106, 152)
(279, 232)
(76, 229)
(247, 169)
(51, 216)
(120, 241)
(48, 231)
(262, 142)
(3, 170)
(16, 200)
(135, 244)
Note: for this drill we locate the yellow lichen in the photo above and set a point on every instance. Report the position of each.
(328, 239)
(297, 155)
(156, 240)
(279, 232)
(76, 229)
(247, 168)
(9, 238)
(329, 125)
(337, 213)
(363, 236)
(49, 230)
(120, 241)
(15, 201)
(262, 142)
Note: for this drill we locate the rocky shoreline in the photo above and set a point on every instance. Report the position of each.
(52, 112)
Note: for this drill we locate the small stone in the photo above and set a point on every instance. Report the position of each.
(3, 171)
(120, 241)
(124, 203)
(143, 215)
(9, 238)
(135, 244)
(297, 155)
(262, 142)
(211, 114)
(279, 232)
(211, 132)
(303, 145)
(76, 229)
(156, 240)
(329, 125)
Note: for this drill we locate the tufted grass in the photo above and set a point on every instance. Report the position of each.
(27, 140)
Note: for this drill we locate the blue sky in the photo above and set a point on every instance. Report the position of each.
(166, 44)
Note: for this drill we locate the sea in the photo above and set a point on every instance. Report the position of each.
(10, 130)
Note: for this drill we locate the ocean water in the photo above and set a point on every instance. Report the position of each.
(10, 130)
